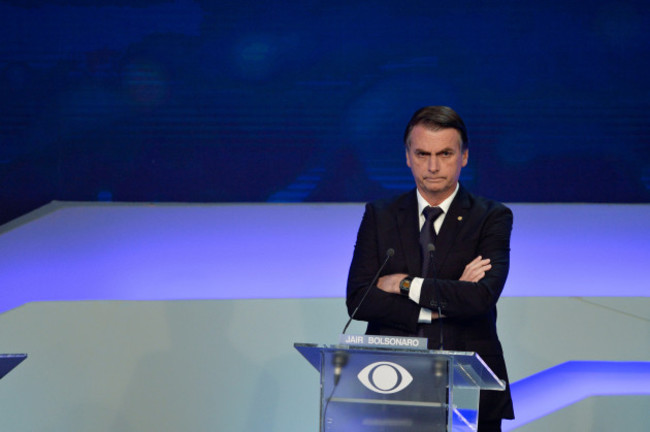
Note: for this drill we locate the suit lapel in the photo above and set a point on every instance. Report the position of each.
(409, 232)
(448, 234)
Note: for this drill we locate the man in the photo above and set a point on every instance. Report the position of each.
(448, 271)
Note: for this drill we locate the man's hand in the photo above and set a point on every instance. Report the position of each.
(390, 283)
(475, 271)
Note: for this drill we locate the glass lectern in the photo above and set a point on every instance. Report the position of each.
(398, 390)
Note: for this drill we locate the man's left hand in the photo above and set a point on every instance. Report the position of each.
(390, 283)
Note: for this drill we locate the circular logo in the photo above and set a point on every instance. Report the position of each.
(385, 377)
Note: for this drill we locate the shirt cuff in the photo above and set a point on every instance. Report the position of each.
(425, 316)
(414, 294)
(416, 289)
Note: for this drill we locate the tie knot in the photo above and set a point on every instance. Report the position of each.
(431, 213)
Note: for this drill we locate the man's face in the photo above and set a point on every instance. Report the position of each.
(435, 159)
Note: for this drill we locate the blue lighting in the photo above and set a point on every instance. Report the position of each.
(113, 251)
(568, 383)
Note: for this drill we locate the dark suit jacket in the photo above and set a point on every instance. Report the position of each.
(473, 226)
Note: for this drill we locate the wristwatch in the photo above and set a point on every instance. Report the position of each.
(405, 285)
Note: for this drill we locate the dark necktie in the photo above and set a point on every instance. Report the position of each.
(428, 236)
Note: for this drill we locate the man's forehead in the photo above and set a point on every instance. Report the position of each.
(435, 139)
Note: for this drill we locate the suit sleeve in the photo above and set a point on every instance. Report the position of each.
(379, 308)
(467, 299)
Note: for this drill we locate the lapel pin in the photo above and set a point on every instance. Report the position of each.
(460, 218)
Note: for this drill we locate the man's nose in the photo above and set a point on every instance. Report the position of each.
(434, 164)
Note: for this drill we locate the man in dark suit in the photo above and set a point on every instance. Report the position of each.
(449, 268)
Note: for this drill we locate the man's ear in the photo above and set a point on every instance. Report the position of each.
(465, 157)
(408, 159)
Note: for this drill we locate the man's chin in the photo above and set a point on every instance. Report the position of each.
(435, 186)
(433, 190)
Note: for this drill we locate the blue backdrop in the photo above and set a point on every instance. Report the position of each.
(204, 101)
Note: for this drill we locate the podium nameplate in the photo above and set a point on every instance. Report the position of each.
(392, 342)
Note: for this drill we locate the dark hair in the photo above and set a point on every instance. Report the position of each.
(436, 118)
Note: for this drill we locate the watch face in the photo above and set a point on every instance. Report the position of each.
(404, 286)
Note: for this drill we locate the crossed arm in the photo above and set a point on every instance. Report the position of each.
(474, 272)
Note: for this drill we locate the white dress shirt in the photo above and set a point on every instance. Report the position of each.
(416, 284)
